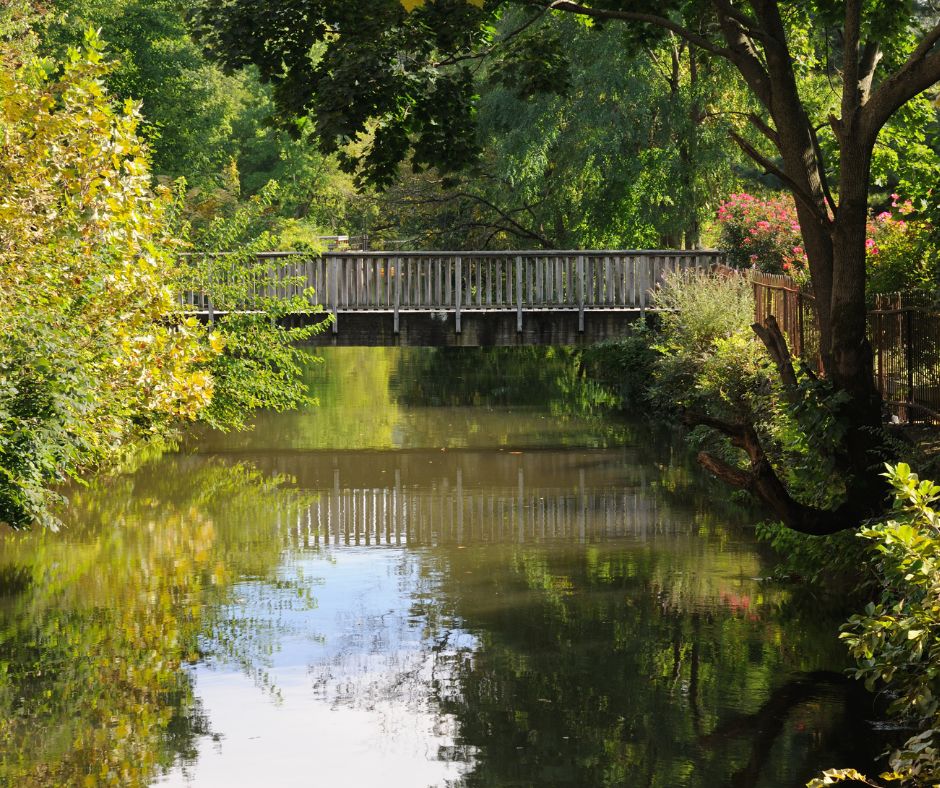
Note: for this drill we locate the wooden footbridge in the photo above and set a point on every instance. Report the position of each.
(462, 298)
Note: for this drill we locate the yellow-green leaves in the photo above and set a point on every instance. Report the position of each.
(93, 350)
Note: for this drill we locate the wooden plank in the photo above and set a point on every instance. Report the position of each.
(539, 281)
(439, 283)
(518, 294)
(530, 280)
(397, 275)
(448, 279)
(643, 283)
(334, 278)
(458, 292)
(509, 281)
(581, 293)
(478, 266)
(488, 285)
(500, 290)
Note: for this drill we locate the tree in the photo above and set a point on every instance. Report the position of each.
(406, 79)
(94, 354)
(587, 143)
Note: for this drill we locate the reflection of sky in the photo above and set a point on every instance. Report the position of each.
(353, 679)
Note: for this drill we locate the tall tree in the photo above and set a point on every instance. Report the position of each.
(407, 77)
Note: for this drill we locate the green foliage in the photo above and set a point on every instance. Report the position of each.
(93, 352)
(904, 252)
(624, 365)
(259, 331)
(709, 359)
(896, 641)
(830, 564)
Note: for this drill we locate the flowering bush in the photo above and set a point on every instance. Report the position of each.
(902, 251)
(762, 233)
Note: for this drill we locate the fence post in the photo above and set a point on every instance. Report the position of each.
(335, 289)
(397, 289)
(799, 310)
(909, 341)
(459, 293)
(519, 294)
(581, 293)
(209, 304)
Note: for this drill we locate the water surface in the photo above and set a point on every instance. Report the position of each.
(458, 570)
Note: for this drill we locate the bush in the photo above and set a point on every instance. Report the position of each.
(93, 352)
(708, 358)
(624, 366)
(762, 234)
(903, 253)
(896, 641)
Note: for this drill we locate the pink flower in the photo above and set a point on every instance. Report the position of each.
(883, 216)
(764, 225)
(869, 243)
(797, 250)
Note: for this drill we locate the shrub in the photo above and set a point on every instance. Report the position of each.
(896, 641)
(762, 233)
(708, 357)
(93, 354)
(903, 253)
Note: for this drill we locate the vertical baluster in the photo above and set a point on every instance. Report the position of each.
(489, 282)
(458, 297)
(478, 264)
(396, 272)
(500, 300)
(448, 279)
(530, 265)
(429, 283)
(439, 275)
(519, 293)
(510, 274)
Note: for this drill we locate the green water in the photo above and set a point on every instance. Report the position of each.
(457, 570)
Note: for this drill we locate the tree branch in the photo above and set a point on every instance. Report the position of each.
(798, 192)
(919, 72)
(776, 344)
(634, 16)
(764, 128)
(850, 45)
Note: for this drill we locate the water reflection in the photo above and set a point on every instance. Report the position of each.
(505, 587)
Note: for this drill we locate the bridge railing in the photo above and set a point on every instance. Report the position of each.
(456, 281)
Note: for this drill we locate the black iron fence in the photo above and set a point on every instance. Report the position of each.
(904, 331)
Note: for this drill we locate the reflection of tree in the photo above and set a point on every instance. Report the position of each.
(614, 666)
(97, 622)
(545, 377)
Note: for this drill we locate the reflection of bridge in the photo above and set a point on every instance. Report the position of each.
(469, 298)
(473, 498)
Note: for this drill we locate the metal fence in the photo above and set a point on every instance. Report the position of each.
(903, 328)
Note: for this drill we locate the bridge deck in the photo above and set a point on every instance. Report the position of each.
(457, 298)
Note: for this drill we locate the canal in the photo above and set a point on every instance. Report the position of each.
(459, 568)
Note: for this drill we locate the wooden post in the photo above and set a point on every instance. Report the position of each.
(519, 294)
(581, 293)
(397, 290)
(458, 293)
(209, 304)
(335, 294)
(643, 283)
